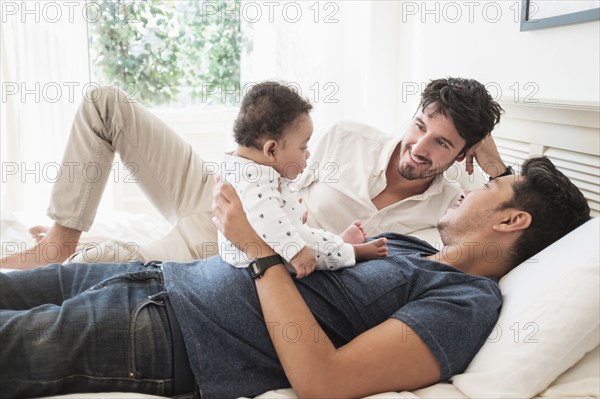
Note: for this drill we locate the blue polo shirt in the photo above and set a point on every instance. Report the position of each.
(228, 342)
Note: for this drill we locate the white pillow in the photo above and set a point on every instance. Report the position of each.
(549, 320)
(581, 380)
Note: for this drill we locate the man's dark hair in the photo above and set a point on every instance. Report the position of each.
(467, 103)
(555, 204)
(267, 109)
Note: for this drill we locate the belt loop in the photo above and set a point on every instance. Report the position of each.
(154, 263)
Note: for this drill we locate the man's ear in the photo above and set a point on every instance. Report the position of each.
(269, 148)
(513, 220)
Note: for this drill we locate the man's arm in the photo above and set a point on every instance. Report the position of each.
(487, 156)
(389, 357)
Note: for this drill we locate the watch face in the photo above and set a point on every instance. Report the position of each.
(258, 266)
(255, 271)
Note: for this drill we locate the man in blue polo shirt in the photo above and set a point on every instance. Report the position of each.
(407, 321)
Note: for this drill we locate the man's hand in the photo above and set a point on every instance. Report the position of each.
(486, 154)
(304, 262)
(231, 220)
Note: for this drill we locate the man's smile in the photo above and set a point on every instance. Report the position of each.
(417, 159)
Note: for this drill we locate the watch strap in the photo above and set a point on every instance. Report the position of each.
(258, 266)
(509, 171)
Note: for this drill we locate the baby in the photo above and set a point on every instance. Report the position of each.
(272, 131)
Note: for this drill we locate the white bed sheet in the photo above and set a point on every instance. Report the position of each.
(582, 380)
(122, 226)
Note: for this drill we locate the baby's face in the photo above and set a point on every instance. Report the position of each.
(293, 151)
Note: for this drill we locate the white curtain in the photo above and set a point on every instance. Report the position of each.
(44, 71)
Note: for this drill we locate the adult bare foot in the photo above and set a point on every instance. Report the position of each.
(354, 234)
(38, 232)
(55, 246)
(371, 250)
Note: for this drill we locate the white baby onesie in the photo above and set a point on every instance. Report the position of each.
(272, 207)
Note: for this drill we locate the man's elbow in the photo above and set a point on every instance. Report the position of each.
(314, 391)
(320, 384)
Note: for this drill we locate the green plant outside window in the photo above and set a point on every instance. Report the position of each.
(166, 52)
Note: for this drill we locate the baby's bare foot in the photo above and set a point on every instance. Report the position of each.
(371, 250)
(55, 246)
(354, 234)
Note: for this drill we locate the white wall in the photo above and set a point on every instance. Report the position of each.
(347, 53)
(482, 40)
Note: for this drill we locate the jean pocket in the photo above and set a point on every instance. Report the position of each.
(150, 346)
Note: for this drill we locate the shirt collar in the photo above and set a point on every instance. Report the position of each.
(386, 154)
(436, 187)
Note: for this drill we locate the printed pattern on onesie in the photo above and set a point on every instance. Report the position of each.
(273, 209)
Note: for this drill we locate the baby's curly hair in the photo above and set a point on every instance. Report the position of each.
(267, 109)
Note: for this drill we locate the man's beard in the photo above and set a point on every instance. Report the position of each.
(421, 171)
(442, 228)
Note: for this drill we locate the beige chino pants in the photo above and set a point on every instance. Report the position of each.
(170, 174)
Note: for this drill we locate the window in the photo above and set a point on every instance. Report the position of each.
(167, 52)
(176, 56)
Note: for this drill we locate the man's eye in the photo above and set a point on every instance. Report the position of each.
(442, 143)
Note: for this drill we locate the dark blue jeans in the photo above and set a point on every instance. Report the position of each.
(84, 328)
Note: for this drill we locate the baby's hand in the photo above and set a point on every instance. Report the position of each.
(304, 262)
(371, 250)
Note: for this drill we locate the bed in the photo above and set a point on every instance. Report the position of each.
(545, 343)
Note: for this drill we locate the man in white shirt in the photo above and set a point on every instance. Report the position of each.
(349, 167)
(391, 184)
(396, 184)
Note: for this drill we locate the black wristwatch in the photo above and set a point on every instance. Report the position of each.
(258, 266)
(509, 171)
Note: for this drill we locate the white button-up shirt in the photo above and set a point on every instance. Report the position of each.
(347, 170)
